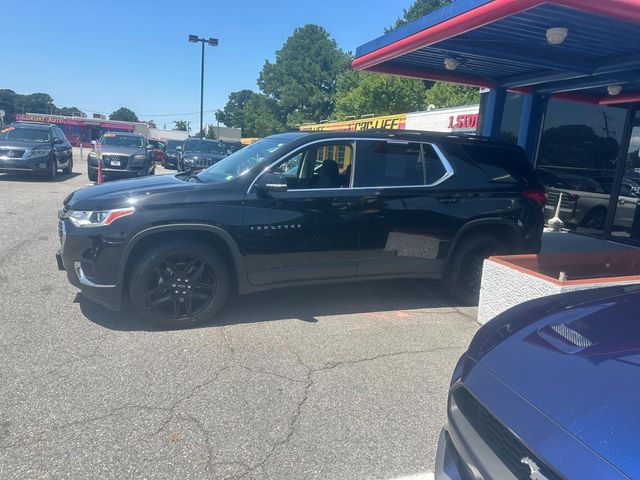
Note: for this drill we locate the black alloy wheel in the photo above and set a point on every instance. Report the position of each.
(179, 285)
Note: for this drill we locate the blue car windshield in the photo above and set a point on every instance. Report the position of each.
(241, 162)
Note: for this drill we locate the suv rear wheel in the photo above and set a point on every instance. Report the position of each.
(464, 272)
(180, 284)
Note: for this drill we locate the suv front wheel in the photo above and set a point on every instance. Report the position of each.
(180, 284)
(464, 273)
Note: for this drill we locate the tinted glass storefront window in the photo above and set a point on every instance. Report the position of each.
(577, 158)
(626, 220)
(511, 117)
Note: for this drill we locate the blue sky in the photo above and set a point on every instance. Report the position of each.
(102, 55)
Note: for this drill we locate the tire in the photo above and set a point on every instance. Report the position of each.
(164, 283)
(68, 170)
(464, 271)
(52, 172)
(93, 176)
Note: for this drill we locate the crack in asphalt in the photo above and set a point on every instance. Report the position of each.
(172, 413)
(311, 382)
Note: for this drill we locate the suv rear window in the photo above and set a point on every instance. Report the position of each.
(502, 163)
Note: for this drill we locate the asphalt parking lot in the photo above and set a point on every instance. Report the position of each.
(335, 382)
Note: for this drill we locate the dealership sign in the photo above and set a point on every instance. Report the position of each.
(29, 117)
(459, 119)
(390, 122)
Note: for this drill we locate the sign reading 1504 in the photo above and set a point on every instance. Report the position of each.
(468, 120)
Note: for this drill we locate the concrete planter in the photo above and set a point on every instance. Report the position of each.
(510, 280)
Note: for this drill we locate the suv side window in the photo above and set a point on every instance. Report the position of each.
(501, 163)
(57, 133)
(325, 165)
(382, 163)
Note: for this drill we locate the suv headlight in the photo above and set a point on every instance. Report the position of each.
(188, 160)
(97, 218)
(140, 157)
(37, 152)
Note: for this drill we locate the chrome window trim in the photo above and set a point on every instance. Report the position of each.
(449, 172)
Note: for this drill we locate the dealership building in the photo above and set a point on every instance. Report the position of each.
(562, 79)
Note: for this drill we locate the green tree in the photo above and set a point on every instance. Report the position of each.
(124, 114)
(35, 103)
(8, 104)
(303, 78)
(68, 111)
(361, 93)
(180, 125)
(232, 115)
(445, 95)
(419, 9)
(262, 117)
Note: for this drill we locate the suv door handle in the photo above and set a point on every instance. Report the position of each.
(448, 200)
(343, 204)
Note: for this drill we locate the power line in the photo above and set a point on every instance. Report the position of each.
(151, 114)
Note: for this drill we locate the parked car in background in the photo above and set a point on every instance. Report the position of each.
(301, 208)
(124, 155)
(35, 148)
(547, 391)
(199, 154)
(172, 153)
(158, 148)
(232, 147)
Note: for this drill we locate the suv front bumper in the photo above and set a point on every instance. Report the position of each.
(34, 164)
(91, 263)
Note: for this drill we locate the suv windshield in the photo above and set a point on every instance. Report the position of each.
(122, 141)
(203, 146)
(25, 134)
(172, 144)
(242, 161)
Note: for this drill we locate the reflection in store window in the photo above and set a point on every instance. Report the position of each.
(577, 158)
(626, 221)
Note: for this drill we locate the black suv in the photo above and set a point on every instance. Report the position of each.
(35, 148)
(301, 208)
(198, 154)
(124, 155)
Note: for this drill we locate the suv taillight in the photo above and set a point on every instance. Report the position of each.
(538, 196)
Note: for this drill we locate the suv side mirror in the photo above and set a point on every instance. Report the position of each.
(271, 183)
(58, 141)
(179, 148)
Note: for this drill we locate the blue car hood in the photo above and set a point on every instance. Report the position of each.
(576, 358)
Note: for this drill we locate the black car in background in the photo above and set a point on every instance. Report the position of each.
(199, 154)
(299, 208)
(172, 153)
(124, 155)
(232, 147)
(35, 148)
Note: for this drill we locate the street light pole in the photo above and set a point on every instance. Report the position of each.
(201, 90)
(214, 43)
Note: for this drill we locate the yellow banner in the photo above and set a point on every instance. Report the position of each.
(390, 122)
